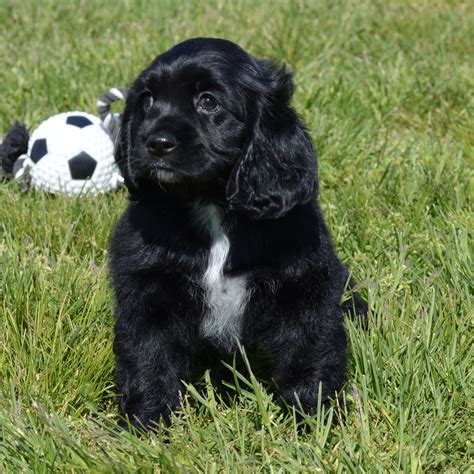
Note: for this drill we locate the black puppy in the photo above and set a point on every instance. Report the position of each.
(223, 239)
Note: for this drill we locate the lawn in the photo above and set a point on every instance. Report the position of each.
(386, 89)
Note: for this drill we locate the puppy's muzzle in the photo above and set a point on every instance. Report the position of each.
(161, 144)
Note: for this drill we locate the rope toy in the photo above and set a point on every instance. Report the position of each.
(70, 153)
(110, 120)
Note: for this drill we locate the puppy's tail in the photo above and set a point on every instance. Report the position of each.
(355, 306)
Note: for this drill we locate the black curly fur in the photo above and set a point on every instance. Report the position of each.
(15, 143)
(250, 160)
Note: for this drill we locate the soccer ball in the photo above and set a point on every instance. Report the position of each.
(72, 153)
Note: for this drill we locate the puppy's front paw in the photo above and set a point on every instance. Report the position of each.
(136, 424)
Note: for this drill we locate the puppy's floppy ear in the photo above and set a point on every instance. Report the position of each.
(278, 169)
(123, 146)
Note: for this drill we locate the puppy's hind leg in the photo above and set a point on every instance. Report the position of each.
(311, 363)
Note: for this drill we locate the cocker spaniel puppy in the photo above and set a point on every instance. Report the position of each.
(223, 240)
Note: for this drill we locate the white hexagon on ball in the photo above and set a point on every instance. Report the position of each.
(73, 153)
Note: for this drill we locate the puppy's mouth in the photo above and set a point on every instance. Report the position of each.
(165, 174)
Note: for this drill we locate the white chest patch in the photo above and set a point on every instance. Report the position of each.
(225, 297)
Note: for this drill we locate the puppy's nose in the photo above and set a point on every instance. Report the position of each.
(161, 143)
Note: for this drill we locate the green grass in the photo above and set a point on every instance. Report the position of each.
(386, 89)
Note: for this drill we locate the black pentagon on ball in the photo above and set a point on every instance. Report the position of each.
(38, 150)
(82, 166)
(78, 121)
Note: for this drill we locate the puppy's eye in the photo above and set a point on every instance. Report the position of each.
(147, 101)
(207, 103)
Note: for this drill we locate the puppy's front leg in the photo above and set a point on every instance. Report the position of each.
(151, 364)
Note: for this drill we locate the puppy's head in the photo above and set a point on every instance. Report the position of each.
(209, 117)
